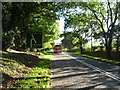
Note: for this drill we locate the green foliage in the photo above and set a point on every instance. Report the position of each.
(97, 48)
(94, 48)
(116, 36)
(37, 78)
(101, 48)
(87, 49)
(98, 17)
(15, 18)
(53, 33)
(20, 17)
(74, 39)
(67, 41)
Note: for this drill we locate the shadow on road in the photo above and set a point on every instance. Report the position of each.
(68, 73)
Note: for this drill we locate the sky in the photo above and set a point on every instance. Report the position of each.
(61, 24)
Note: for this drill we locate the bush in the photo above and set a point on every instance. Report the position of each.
(87, 49)
(94, 48)
(101, 48)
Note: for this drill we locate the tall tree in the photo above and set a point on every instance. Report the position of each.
(117, 37)
(20, 17)
(106, 15)
(15, 16)
(109, 16)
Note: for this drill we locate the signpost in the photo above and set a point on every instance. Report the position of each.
(33, 40)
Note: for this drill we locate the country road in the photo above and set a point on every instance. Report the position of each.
(75, 72)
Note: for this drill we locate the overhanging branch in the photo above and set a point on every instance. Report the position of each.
(101, 23)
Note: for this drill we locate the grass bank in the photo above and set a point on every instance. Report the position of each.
(26, 69)
(97, 58)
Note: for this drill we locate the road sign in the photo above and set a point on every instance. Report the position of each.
(34, 40)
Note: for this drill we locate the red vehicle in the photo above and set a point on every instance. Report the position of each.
(57, 48)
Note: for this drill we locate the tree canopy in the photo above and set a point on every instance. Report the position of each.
(21, 17)
(100, 17)
(89, 20)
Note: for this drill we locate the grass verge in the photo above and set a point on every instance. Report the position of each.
(33, 72)
(97, 58)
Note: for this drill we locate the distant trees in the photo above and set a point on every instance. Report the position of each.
(73, 39)
(80, 25)
(68, 41)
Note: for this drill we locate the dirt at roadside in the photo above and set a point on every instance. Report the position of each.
(16, 64)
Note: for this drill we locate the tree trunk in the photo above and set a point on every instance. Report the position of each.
(91, 45)
(81, 48)
(109, 47)
(108, 51)
(117, 47)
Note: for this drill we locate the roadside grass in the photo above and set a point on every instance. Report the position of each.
(47, 53)
(17, 74)
(97, 58)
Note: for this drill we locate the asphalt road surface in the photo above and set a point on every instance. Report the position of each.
(75, 72)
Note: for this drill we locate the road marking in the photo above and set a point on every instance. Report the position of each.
(98, 69)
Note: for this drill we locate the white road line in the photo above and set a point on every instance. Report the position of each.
(98, 69)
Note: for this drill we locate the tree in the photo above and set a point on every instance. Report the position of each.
(15, 18)
(67, 41)
(81, 39)
(80, 25)
(105, 15)
(20, 17)
(117, 37)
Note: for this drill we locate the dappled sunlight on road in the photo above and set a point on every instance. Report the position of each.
(67, 73)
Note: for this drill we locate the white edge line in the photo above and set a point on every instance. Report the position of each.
(98, 69)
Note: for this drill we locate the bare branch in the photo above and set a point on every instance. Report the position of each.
(101, 23)
(103, 17)
(107, 17)
(116, 17)
(110, 11)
